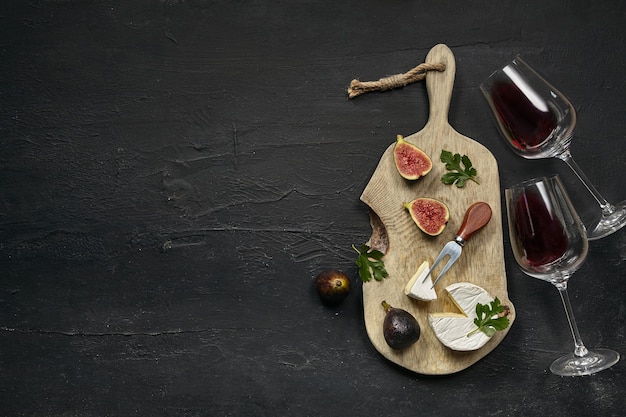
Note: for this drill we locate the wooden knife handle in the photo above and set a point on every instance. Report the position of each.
(476, 217)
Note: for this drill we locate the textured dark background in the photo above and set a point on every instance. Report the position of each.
(173, 174)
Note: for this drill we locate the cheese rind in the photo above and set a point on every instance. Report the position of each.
(419, 290)
(466, 295)
(452, 329)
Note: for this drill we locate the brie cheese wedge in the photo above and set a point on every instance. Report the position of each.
(452, 328)
(418, 290)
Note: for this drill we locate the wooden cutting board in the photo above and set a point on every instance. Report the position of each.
(482, 260)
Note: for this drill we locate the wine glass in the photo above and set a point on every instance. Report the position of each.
(538, 122)
(549, 242)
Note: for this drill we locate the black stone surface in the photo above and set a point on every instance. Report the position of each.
(173, 174)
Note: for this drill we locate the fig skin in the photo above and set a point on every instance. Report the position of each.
(411, 162)
(333, 286)
(400, 328)
(422, 214)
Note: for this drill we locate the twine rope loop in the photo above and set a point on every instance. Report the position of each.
(393, 81)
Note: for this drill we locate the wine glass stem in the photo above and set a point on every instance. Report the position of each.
(607, 208)
(579, 348)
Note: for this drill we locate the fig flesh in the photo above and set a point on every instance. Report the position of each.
(411, 162)
(430, 215)
(333, 286)
(400, 328)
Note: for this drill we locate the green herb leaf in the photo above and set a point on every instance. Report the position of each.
(460, 167)
(490, 318)
(370, 264)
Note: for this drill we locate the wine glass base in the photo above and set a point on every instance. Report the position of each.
(608, 224)
(594, 361)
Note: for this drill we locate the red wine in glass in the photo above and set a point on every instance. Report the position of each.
(538, 121)
(549, 243)
(528, 120)
(539, 231)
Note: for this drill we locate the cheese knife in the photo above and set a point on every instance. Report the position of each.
(476, 217)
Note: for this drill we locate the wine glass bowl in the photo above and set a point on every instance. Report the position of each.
(549, 242)
(538, 121)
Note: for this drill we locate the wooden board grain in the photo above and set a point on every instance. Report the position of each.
(482, 260)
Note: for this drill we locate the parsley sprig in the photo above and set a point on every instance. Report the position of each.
(459, 174)
(370, 264)
(490, 318)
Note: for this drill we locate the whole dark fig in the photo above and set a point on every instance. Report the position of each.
(333, 286)
(400, 328)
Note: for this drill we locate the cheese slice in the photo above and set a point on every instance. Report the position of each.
(452, 329)
(465, 296)
(418, 290)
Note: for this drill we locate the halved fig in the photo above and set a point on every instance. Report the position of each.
(411, 161)
(430, 215)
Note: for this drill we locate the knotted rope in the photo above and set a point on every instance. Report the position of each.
(393, 81)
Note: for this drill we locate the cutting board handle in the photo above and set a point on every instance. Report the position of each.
(439, 84)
